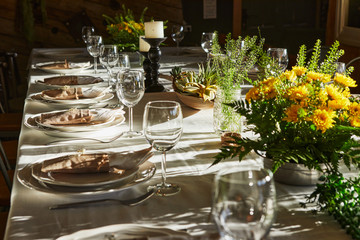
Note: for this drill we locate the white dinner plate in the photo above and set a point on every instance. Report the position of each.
(112, 128)
(77, 85)
(145, 172)
(92, 125)
(63, 103)
(82, 179)
(73, 70)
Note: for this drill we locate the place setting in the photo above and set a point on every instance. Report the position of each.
(63, 67)
(86, 173)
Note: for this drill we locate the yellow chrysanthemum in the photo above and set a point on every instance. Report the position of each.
(323, 119)
(354, 109)
(252, 94)
(298, 93)
(354, 121)
(344, 80)
(292, 113)
(342, 103)
(343, 116)
(333, 92)
(315, 76)
(299, 70)
(322, 97)
(289, 75)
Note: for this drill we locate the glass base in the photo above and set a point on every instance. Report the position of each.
(166, 189)
(131, 134)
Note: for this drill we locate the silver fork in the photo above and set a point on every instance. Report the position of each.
(127, 202)
(86, 138)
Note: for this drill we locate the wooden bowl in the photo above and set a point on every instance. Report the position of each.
(195, 102)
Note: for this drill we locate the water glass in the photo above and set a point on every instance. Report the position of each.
(109, 58)
(130, 88)
(340, 67)
(280, 57)
(86, 32)
(94, 47)
(177, 35)
(206, 42)
(162, 126)
(244, 202)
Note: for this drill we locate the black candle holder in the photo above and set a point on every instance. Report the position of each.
(147, 70)
(154, 55)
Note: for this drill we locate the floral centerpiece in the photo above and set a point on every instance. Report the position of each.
(307, 115)
(125, 30)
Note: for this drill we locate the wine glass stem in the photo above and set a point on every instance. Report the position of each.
(95, 64)
(163, 168)
(110, 75)
(131, 119)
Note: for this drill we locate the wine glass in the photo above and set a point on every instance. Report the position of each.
(340, 67)
(86, 32)
(162, 126)
(280, 56)
(206, 42)
(130, 88)
(109, 58)
(177, 35)
(94, 46)
(244, 202)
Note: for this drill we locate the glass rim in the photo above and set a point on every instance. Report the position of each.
(223, 174)
(153, 104)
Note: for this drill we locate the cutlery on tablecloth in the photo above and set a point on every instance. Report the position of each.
(86, 138)
(127, 202)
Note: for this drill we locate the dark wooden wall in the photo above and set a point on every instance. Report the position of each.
(62, 27)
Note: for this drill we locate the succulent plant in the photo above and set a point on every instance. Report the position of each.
(200, 84)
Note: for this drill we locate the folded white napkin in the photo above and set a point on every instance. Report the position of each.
(79, 65)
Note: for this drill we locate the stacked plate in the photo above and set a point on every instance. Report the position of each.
(103, 122)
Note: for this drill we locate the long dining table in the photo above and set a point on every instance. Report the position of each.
(186, 215)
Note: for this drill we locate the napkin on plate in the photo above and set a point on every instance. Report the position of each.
(96, 162)
(68, 93)
(66, 65)
(72, 116)
(72, 80)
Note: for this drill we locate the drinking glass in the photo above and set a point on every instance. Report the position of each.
(162, 126)
(86, 32)
(280, 56)
(94, 46)
(130, 88)
(177, 35)
(109, 58)
(340, 67)
(206, 42)
(244, 202)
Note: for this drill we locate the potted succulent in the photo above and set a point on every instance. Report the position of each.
(195, 89)
(307, 116)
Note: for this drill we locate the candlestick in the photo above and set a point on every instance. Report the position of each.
(154, 55)
(154, 29)
(147, 69)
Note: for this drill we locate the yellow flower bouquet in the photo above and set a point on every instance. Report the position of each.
(306, 115)
(124, 30)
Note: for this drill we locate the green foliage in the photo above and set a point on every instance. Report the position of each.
(340, 198)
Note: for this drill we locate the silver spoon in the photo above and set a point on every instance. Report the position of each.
(127, 202)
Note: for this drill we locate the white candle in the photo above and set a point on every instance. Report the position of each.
(154, 29)
(143, 46)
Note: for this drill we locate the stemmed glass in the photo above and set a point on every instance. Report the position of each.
(109, 58)
(86, 32)
(206, 42)
(280, 56)
(130, 88)
(162, 126)
(244, 202)
(177, 35)
(94, 46)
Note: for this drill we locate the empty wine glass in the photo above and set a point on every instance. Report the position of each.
(206, 43)
(94, 46)
(162, 126)
(280, 56)
(177, 35)
(130, 88)
(86, 32)
(109, 58)
(244, 202)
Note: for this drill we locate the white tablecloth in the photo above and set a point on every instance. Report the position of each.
(182, 216)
